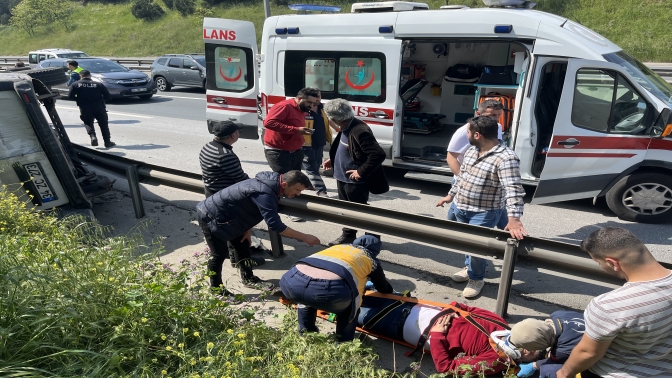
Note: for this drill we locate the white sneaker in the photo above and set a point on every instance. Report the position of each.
(461, 276)
(294, 218)
(322, 194)
(473, 288)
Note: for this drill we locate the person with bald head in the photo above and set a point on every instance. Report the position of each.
(628, 330)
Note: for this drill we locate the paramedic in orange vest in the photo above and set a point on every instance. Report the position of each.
(313, 146)
(333, 280)
(285, 127)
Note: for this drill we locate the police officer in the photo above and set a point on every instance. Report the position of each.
(75, 72)
(91, 96)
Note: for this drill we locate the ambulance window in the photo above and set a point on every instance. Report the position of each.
(605, 102)
(227, 68)
(320, 74)
(360, 77)
(174, 62)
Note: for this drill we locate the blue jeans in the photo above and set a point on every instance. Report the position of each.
(476, 266)
(328, 295)
(503, 218)
(392, 324)
(312, 160)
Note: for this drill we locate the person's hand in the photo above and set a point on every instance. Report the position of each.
(445, 200)
(247, 236)
(305, 131)
(443, 323)
(562, 374)
(515, 227)
(327, 165)
(354, 176)
(310, 240)
(526, 370)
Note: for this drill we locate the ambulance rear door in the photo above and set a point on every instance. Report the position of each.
(601, 130)
(232, 83)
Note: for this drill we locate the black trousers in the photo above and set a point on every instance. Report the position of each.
(87, 113)
(284, 161)
(232, 250)
(219, 252)
(357, 193)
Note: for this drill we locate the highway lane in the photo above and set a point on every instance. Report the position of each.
(169, 130)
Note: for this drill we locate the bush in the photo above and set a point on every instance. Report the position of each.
(185, 7)
(4, 19)
(146, 10)
(169, 4)
(77, 304)
(30, 15)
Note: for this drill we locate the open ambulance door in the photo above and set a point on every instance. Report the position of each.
(601, 130)
(232, 83)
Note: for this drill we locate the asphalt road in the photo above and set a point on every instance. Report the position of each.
(169, 130)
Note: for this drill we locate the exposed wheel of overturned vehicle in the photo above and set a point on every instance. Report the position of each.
(48, 76)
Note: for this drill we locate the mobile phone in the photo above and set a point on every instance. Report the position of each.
(310, 131)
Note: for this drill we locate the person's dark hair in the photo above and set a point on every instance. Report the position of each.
(73, 63)
(85, 73)
(490, 104)
(615, 242)
(308, 92)
(296, 177)
(485, 126)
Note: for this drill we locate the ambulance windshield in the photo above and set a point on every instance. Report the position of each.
(645, 77)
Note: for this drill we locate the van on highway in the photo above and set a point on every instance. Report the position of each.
(586, 119)
(35, 57)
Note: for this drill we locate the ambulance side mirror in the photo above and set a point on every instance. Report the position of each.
(663, 126)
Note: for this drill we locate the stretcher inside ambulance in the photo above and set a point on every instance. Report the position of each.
(585, 118)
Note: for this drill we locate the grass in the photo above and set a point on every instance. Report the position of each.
(639, 27)
(75, 303)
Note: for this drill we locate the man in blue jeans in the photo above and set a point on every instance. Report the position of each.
(313, 147)
(490, 170)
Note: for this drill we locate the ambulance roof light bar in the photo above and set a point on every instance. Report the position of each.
(387, 6)
(522, 4)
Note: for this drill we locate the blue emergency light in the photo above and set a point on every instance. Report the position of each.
(292, 30)
(281, 31)
(385, 29)
(314, 8)
(503, 29)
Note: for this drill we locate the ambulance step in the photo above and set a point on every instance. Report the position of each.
(442, 179)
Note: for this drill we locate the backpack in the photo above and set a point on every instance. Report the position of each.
(463, 73)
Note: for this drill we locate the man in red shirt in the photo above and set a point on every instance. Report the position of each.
(285, 128)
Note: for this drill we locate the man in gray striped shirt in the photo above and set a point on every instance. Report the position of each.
(628, 330)
(221, 167)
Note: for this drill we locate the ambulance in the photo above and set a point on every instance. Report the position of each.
(586, 119)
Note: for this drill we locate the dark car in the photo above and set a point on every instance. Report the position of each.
(119, 80)
(172, 70)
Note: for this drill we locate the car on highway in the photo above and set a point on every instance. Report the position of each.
(37, 56)
(119, 80)
(172, 70)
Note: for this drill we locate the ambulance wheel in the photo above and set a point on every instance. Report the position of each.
(642, 197)
(162, 84)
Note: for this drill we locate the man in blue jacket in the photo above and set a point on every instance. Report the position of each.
(230, 214)
(561, 333)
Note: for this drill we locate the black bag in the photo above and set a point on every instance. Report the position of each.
(498, 75)
(463, 73)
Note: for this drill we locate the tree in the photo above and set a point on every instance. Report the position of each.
(169, 4)
(185, 7)
(146, 10)
(31, 14)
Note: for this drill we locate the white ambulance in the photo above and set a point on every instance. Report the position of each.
(587, 119)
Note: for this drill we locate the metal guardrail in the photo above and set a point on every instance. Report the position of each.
(463, 238)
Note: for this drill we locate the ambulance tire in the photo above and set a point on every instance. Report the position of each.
(48, 76)
(619, 198)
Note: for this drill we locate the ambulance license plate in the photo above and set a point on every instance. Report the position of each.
(41, 182)
(139, 90)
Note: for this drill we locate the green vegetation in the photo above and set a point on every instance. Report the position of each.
(639, 27)
(77, 304)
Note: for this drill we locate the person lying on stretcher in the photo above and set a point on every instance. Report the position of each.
(452, 340)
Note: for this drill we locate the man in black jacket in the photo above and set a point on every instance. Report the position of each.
(357, 160)
(91, 96)
(230, 214)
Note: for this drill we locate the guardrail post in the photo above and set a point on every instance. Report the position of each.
(508, 266)
(134, 188)
(276, 244)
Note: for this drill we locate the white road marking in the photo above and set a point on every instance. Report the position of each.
(188, 98)
(116, 113)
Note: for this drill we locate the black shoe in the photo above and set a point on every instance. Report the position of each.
(343, 239)
(255, 282)
(94, 140)
(109, 143)
(254, 261)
